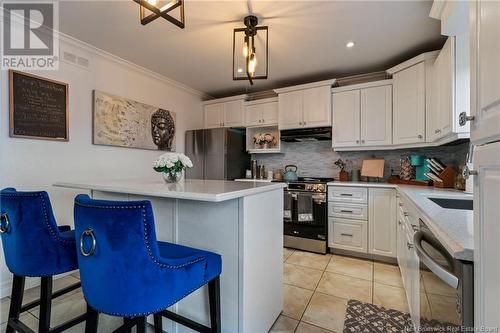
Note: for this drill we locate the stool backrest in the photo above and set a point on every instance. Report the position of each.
(32, 242)
(117, 254)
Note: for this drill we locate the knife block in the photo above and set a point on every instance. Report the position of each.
(447, 176)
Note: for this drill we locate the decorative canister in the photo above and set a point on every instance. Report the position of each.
(406, 171)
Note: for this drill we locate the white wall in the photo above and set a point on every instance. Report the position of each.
(37, 164)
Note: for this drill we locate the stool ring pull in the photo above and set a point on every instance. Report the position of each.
(4, 223)
(87, 233)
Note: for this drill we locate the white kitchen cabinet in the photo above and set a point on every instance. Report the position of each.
(224, 114)
(213, 115)
(346, 119)
(233, 114)
(409, 105)
(362, 117)
(305, 106)
(485, 71)
(317, 107)
(261, 112)
(486, 231)
(382, 222)
(290, 109)
(347, 234)
(376, 116)
(441, 114)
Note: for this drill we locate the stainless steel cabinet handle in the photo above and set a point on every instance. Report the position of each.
(363, 141)
(437, 269)
(466, 173)
(406, 214)
(420, 136)
(260, 120)
(346, 194)
(348, 235)
(357, 141)
(346, 211)
(437, 131)
(263, 120)
(464, 118)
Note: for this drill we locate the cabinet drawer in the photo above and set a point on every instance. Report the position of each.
(348, 235)
(348, 210)
(348, 194)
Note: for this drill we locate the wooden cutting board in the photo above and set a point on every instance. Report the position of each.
(373, 168)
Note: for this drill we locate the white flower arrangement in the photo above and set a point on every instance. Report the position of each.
(261, 138)
(172, 163)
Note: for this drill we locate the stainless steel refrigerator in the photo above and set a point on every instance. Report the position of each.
(218, 153)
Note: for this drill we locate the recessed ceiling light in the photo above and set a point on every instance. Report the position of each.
(349, 44)
(240, 70)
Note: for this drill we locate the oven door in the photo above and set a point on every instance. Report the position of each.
(440, 301)
(305, 214)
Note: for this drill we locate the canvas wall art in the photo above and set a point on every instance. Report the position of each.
(123, 122)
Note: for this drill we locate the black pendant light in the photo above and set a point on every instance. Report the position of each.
(250, 51)
(161, 11)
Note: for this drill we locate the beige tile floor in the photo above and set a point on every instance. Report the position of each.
(317, 288)
(316, 291)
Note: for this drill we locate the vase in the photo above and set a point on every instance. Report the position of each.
(173, 177)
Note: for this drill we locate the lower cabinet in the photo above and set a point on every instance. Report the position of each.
(382, 221)
(365, 228)
(347, 234)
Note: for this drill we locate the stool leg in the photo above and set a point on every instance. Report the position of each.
(158, 323)
(214, 299)
(16, 300)
(45, 304)
(127, 321)
(92, 320)
(141, 325)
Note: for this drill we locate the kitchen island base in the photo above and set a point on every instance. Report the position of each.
(247, 233)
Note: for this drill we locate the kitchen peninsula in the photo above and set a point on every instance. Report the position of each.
(243, 222)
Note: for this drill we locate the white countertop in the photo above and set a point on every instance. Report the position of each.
(189, 189)
(454, 228)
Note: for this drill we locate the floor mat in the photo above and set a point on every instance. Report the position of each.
(368, 318)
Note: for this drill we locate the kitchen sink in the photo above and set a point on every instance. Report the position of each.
(453, 203)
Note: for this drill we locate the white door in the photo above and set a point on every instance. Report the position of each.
(213, 115)
(317, 107)
(382, 230)
(290, 109)
(346, 113)
(233, 114)
(376, 116)
(253, 115)
(446, 88)
(486, 234)
(409, 105)
(270, 113)
(485, 71)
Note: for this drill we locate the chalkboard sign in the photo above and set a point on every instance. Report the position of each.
(38, 107)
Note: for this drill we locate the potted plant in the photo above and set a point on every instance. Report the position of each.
(172, 166)
(264, 141)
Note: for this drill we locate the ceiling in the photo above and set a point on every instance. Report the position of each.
(307, 39)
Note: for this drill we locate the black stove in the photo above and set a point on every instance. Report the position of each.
(305, 214)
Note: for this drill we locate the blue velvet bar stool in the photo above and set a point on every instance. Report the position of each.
(126, 272)
(35, 246)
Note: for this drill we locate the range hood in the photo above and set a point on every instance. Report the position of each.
(306, 134)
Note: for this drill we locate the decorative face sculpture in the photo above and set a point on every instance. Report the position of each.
(163, 129)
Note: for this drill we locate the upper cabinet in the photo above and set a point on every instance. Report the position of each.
(305, 106)
(485, 72)
(409, 104)
(224, 113)
(262, 112)
(362, 115)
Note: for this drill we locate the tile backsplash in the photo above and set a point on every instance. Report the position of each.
(317, 158)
